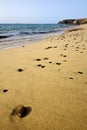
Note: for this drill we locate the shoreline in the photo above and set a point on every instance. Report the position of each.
(27, 41)
(49, 78)
(18, 41)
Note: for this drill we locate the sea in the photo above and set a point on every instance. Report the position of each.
(15, 35)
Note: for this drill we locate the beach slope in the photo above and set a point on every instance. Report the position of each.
(50, 78)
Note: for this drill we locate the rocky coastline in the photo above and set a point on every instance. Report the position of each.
(74, 21)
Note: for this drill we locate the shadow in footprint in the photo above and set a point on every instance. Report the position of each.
(39, 65)
(55, 46)
(46, 58)
(70, 77)
(42, 66)
(64, 55)
(81, 52)
(85, 82)
(50, 62)
(83, 48)
(65, 60)
(38, 59)
(49, 47)
(20, 70)
(58, 63)
(5, 90)
(79, 72)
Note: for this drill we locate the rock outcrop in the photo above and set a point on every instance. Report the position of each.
(74, 21)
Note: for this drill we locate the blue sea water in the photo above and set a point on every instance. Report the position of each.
(13, 35)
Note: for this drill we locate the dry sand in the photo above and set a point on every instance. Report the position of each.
(52, 82)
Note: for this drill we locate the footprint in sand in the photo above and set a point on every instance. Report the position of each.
(81, 52)
(77, 50)
(50, 62)
(85, 82)
(74, 38)
(77, 47)
(55, 46)
(20, 70)
(39, 65)
(71, 78)
(65, 49)
(83, 48)
(3, 90)
(38, 59)
(83, 45)
(64, 55)
(61, 54)
(58, 63)
(21, 111)
(42, 66)
(66, 45)
(76, 42)
(79, 72)
(65, 60)
(49, 47)
(46, 58)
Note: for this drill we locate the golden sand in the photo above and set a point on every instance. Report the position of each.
(50, 77)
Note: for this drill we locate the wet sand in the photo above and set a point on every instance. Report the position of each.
(46, 82)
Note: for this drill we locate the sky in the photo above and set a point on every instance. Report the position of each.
(41, 11)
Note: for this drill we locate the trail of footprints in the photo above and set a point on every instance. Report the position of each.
(56, 63)
(48, 61)
(78, 49)
(21, 110)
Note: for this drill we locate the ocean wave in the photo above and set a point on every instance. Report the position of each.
(39, 32)
(5, 36)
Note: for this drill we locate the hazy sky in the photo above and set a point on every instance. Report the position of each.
(41, 11)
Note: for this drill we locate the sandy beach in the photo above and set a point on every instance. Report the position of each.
(50, 78)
